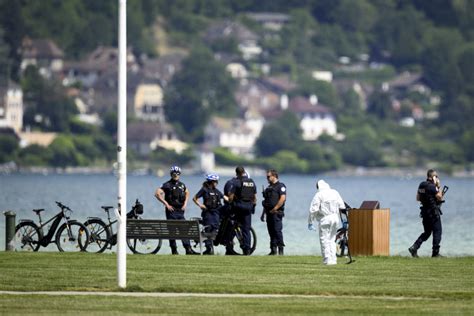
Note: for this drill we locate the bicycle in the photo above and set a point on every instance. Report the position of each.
(70, 236)
(342, 236)
(102, 235)
(234, 234)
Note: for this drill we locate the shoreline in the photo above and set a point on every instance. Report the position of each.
(408, 173)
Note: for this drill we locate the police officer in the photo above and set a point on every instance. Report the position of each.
(431, 197)
(244, 197)
(174, 196)
(273, 209)
(211, 204)
(226, 234)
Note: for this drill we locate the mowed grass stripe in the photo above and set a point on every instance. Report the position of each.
(447, 278)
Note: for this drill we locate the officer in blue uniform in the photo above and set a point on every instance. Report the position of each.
(273, 209)
(210, 206)
(225, 233)
(431, 197)
(174, 196)
(244, 197)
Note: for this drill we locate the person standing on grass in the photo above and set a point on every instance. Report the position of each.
(273, 209)
(325, 209)
(430, 196)
(210, 206)
(244, 197)
(174, 196)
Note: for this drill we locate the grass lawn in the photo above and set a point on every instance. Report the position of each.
(371, 285)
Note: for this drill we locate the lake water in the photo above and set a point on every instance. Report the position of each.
(86, 193)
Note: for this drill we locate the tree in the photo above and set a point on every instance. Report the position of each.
(402, 33)
(12, 22)
(282, 134)
(362, 148)
(64, 153)
(201, 89)
(47, 106)
(380, 105)
(440, 63)
(8, 147)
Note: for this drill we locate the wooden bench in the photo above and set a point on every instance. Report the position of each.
(165, 229)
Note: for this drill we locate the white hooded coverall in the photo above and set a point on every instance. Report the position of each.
(325, 209)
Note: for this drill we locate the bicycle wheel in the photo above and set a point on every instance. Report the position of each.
(239, 241)
(27, 236)
(144, 246)
(72, 236)
(99, 235)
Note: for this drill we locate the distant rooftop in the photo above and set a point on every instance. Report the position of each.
(40, 48)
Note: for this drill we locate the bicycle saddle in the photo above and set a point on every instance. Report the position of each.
(37, 211)
(106, 208)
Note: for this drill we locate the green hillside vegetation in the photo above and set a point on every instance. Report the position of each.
(432, 37)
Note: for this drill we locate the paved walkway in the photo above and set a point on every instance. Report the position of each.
(210, 295)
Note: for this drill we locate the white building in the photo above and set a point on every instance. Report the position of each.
(315, 119)
(233, 134)
(148, 103)
(11, 107)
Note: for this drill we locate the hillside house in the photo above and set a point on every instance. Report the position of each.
(270, 20)
(148, 104)
(162, 69)
(11, 107)
(315, 119)
(246, 39)
(145, 137)
(233, 134)
(44, 54)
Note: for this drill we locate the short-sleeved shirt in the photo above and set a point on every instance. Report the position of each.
(212, 197)
(175, 193)
(272, 195)
(427, 191)
(229, 186)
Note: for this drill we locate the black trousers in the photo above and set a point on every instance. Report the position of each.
(177, 215)
(431, 224)
(243, 216)
(275, 229)
(210, 219)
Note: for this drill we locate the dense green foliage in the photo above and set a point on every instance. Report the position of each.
(433, 37)
(201, 89)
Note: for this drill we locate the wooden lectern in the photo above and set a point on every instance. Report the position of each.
(369, 230)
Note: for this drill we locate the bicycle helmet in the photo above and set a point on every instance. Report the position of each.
(175, 169)
(212, 177)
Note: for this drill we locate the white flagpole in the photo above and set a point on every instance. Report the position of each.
(122, 146)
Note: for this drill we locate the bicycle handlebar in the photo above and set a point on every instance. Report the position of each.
(62, 206)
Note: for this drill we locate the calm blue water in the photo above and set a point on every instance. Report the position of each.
(86, 193)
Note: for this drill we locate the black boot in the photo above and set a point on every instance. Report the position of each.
(174, 251)
(209, 250)
(435, 253)
(190, 251)
(229, 251)
(413, 251)
(280, 250)
(246, 252)
(273, 251)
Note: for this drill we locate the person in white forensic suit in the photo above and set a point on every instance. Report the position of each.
(325, 210)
